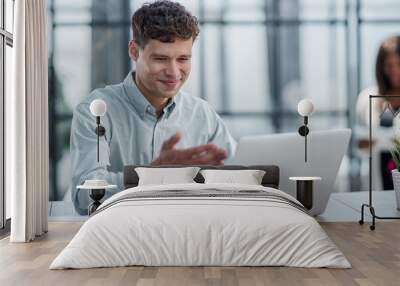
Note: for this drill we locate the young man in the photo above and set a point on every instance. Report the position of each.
(149, 120)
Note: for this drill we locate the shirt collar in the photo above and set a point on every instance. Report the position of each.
(140, 102)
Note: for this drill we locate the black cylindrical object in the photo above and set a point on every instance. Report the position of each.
(304, 193)
(96, 195)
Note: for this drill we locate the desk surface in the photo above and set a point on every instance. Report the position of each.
(344, 207)
(347, 206)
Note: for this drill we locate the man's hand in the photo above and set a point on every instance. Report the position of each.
(208, 154)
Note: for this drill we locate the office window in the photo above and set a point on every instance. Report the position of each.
(72, 66)
(245, 53)
(73, 11)
(320, 73)
(2, 131)
(6, 43)
(210, 37)
(381, 10)
(313, 10)
(9, 15)
(9, 69)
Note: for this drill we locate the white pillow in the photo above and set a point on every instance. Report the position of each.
(162, 176)
(249, 177)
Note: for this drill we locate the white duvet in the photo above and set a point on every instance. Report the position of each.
(200, 231)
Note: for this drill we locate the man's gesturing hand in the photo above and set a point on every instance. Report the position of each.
(208, 154)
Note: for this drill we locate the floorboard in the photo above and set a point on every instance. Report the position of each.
(374, 255)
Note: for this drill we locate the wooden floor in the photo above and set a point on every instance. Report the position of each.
(375, 257)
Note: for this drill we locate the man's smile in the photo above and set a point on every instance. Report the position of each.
(169, 83)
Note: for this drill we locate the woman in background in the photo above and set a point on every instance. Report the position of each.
(384, 110)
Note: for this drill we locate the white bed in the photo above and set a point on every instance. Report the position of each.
(206, 230)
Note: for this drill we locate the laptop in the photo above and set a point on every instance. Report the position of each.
(286, 150)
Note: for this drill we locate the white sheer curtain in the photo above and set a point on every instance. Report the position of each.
(27, 124)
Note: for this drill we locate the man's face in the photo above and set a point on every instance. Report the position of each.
(162, 68)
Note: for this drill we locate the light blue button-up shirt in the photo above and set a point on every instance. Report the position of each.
(134, 134)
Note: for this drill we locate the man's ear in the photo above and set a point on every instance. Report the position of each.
(133, 49)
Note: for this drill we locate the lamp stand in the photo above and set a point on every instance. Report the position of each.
(100, 131)
(303, 131)
(369, 205)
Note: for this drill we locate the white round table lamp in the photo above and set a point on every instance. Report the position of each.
(97, 187)
(98, 107)
(305, 108)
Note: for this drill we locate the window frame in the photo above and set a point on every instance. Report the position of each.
(6, 39)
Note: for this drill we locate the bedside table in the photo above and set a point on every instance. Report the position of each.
(97, 190)
(304, 190)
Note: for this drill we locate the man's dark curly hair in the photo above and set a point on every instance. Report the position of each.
(165, 21)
